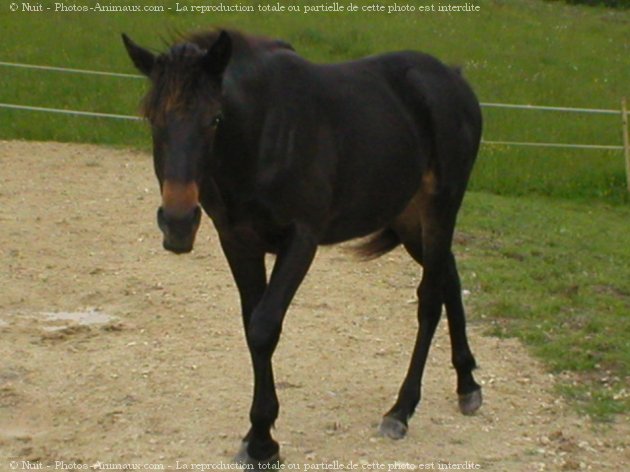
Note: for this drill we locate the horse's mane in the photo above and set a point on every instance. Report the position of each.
(177, 75)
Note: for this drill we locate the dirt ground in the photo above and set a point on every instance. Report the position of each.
(113, 351)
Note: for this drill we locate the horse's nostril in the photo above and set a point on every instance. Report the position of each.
(177, 227)
(179, 230)
(161, 220)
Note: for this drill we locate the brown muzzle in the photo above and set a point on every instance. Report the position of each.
(179, 216)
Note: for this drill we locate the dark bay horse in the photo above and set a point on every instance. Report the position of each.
(285, 155)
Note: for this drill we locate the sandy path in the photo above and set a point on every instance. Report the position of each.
(160, 373)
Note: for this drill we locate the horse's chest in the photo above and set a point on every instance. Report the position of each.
(253, 225)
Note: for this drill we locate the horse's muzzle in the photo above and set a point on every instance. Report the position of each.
(179, 231)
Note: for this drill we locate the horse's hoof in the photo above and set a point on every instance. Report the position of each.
(469, 403)
(244, 459)
(392, 428)
(241, 455)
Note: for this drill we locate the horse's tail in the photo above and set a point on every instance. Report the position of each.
(377, 244)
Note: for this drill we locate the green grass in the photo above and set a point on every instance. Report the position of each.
(556, 275)
(526, 51)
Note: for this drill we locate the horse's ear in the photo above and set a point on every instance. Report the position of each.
(218, 56)
(142, 58)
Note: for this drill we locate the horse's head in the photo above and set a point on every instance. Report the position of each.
(184, 108)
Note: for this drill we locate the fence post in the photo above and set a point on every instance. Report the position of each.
(626, 139)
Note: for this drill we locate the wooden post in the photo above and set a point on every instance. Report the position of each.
(626, 139)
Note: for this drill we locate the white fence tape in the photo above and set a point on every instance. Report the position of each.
(72, 71)
(136, 118)
(548, 108)
(553, 145)
(69, 112)
(136, 76)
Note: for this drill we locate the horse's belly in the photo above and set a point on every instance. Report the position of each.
(367, 205)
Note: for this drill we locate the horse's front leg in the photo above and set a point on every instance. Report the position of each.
(248, 269)
(263, 332)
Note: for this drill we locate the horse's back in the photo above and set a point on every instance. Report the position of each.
(352, 141)
(401, 117)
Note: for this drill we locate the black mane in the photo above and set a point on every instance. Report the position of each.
(178, 78)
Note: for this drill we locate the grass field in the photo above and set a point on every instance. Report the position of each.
(552, 272)
(526, 51)
(555, 274)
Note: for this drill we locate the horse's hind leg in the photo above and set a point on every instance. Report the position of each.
(426, 230)
(468, 391)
